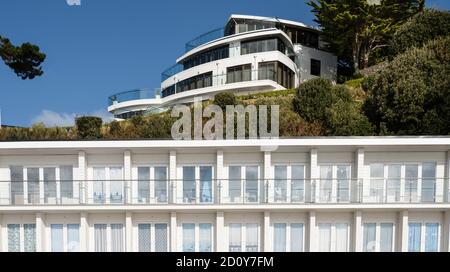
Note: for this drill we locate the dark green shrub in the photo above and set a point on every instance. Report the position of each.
(224, 98)
(419, 29)
(313, 98)
(89, 127)
(412, 95)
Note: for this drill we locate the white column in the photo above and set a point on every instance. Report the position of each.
(173, 232)
(220, 232)
(403, 231)
(357, 185)
(1, 233)
(219, 176)
(268, 178)
(40, 232)
(127, 176)
(314, 176)
(446, 232)
(84, 232)
(267, 236)
(357, 231)
(129, 231)
(82, 177)
(312, 237)
(173, 175)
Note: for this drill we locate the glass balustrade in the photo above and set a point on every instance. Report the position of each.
(131, 95)
(207, 191)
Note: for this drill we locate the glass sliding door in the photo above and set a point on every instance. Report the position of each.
(411, 179)
(57, 237)
(235, 237)
(66, 183)
(206, 184)
(161, 237)
(393, 183)
(429, 182)
(116, 185)
(73, 237)
(188, 237)
(161, 184)
(376, 183)
(143, 183)
(13, 237)
(369, 237)
(326, 183)
(99, 175)
(251, 231)
(324, 237)
(29, 233)
(296, 237)
(280, 183)
(189, 184)
(386, 237)
(279, 237)
(234, 184)
(431, 237)
(343, 183)
(251, 184)
(33, 185)
(414, 237)
(17, 196)
(100, 237)
(50, 185)
(297, 183)
(205, 233)
(144, 237)
(341, 238)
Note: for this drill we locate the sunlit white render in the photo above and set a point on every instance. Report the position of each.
(250, 54)
(310, 194)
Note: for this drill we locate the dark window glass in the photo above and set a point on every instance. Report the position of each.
(315, 67)
(239, 73)
(207, 56)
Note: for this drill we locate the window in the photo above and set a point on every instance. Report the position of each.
(66, 183)
(234, 185)
(117, 237)
(161, 184)
(50, 185)
(116, 185)
(297, 183)
(13, 237)
(152, 184)
(57, 237)
(235, 237)
(251, 183)
(144, 237)
(17, 196)
(411, 179)
(279, 240)
(205, 233)
(296, 237)
(277, 72)
(369, 239)
(190, 190)
(192, 83)
(376, 182)
(251, 231)
(205, 184)
(161, 237)
(341, 238)
(33, 185)
(188, 237)
(239, 73)
(21, 237)
(280, 183)
(143, 184)
(326, 183)
(386, 237)
(315, 67)
(428, 182)
(333, 237)
(73, 237)
(108, 177)
(343, 176)
(100, 237)
(431, 237)
(414, 237)
(207, 56)
(264, 45)
(393, 183)
(324, 237)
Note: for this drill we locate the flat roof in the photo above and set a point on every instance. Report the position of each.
(271, 19)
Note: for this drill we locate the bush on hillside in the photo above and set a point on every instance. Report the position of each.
(89, 127)
(412, 95)
(419, 29)
(313, 98)
(224, 98)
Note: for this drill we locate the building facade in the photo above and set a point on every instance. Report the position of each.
(250, 54)
(309, 194)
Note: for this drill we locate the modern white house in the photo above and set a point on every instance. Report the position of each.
(304, 194)
(250, 54)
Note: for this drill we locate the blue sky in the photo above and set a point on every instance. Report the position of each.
(105, 46)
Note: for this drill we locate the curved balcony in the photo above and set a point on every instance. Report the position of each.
(132, 95)
(204, 38)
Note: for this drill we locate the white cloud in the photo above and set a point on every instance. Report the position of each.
(53, 119)
(73, 2)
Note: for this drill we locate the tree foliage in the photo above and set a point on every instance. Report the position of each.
(25, 60)
(412, 96)
(224, 98)
(89, 127)
(356, 30)
(419, 29)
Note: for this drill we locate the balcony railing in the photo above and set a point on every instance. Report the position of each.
(132, 95)
(205, 38)
(224, 191)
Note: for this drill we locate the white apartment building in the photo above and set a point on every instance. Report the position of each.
(250, 54)
(305, 194)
